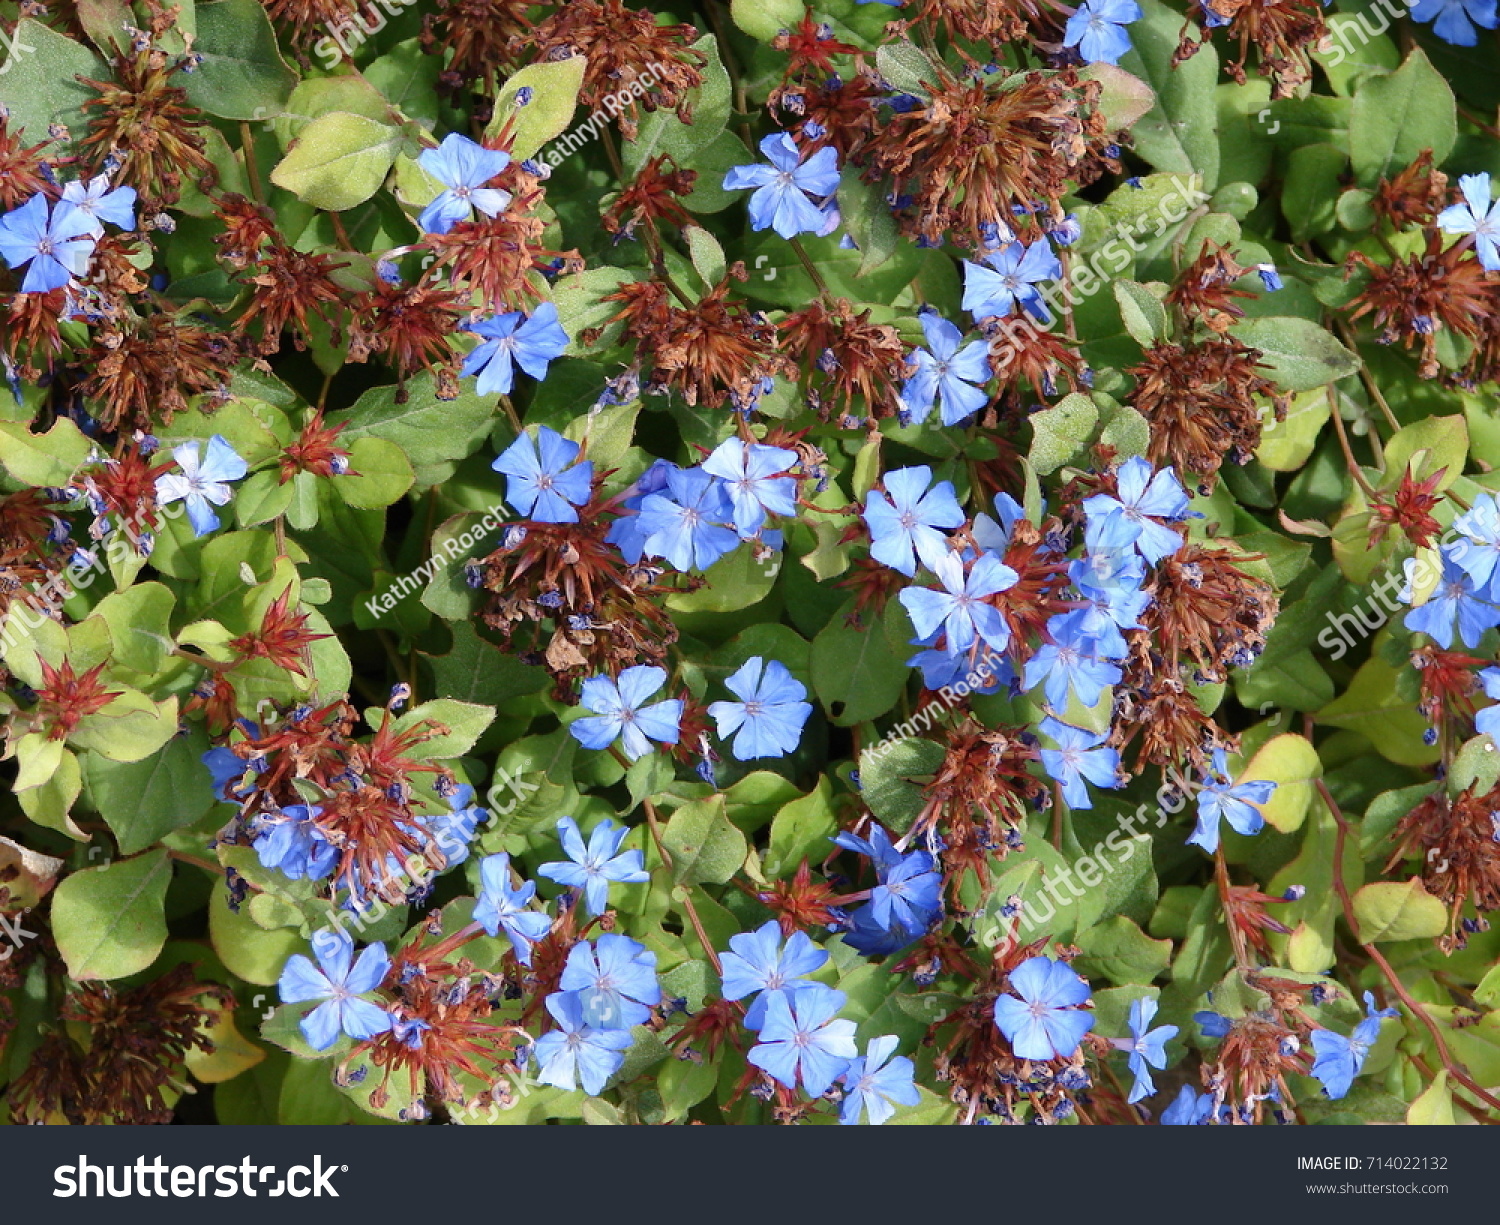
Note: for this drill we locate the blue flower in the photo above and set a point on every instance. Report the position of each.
(1147, 1048)
(1269, 277)
(455, 829)
(1190, 1109)
(1455, 22)
(1097, 29)
(1453, 600)
(688, 528)
(99, 204)
(946, 372)
(960, 608)
(1487, 721)
(1012, 277)
(878, 847)
(1045, 1022)
(875, 1084)
(532, 345)
(1079, 755)
(799, 1039)
(1069, 662)
(542, 481)
(225, 767)
(1213, 1024)
(502, 907)
(593, 869)
(781, 199)
(292, 843)
(909, 895)
(338, 980)
(619, 713)
(57, 247)
(201, 483)
(464, 168)
(1222, 800)
(770, 714)
(615, 981)
(1131, 518)
(1339, 1059)
(904, 525)
(576, 1053)
(1480, 558)
(625, 532)
(752, 480)
(758, 964)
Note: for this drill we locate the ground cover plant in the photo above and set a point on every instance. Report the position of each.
(929, 563)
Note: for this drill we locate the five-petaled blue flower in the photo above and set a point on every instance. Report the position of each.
(542, 481)
(1131, 518)
(875, 1084)
(463, 168)
(1097, 29)
(753, 480)
(756, 962)
(1079, 755)
(575, 1053)
(1477, 215)
(1221, 799)
(338, 980)
(1454, 20)
(781, 198)
(946, 373)
(768, 719)
(688, 528)
(1454, 600)
(619, 713)
(960, 607)
(1069, 661)
(1012, 277)
(904, 521)
(593, 868)
(533, 345)
(615, 981)
(1147, 1048)
(57, 243)
(800, 1039)
(501, 907)
(1045, 1022)
(98, 203)
(1338, 1059)
(201, 483)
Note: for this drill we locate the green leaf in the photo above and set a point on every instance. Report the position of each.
(1120, 951)
(43, 459)
(129, 728)
(139, 625)
(1394, 118)
(379, 473)
(1286, 445)
(144, 801)
(109, 922)
(1298, 353)
(737, 580)
(1181, 132)
(855, 672)
(1144, 315)
(1292, 763)
(554, 90)
(907, 68)
(705, 845)
(764, 19)
(464, 723)
(1372, 706)
(1433, 1107)
(338, 161)
(1061, 432)
(40, 85)
(868, 218)
(433, 433)
(1426, 446)
(802, 830)
(892, 774)
(661, 131)
(707, 255)
(242, 75)
(1387, 911)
